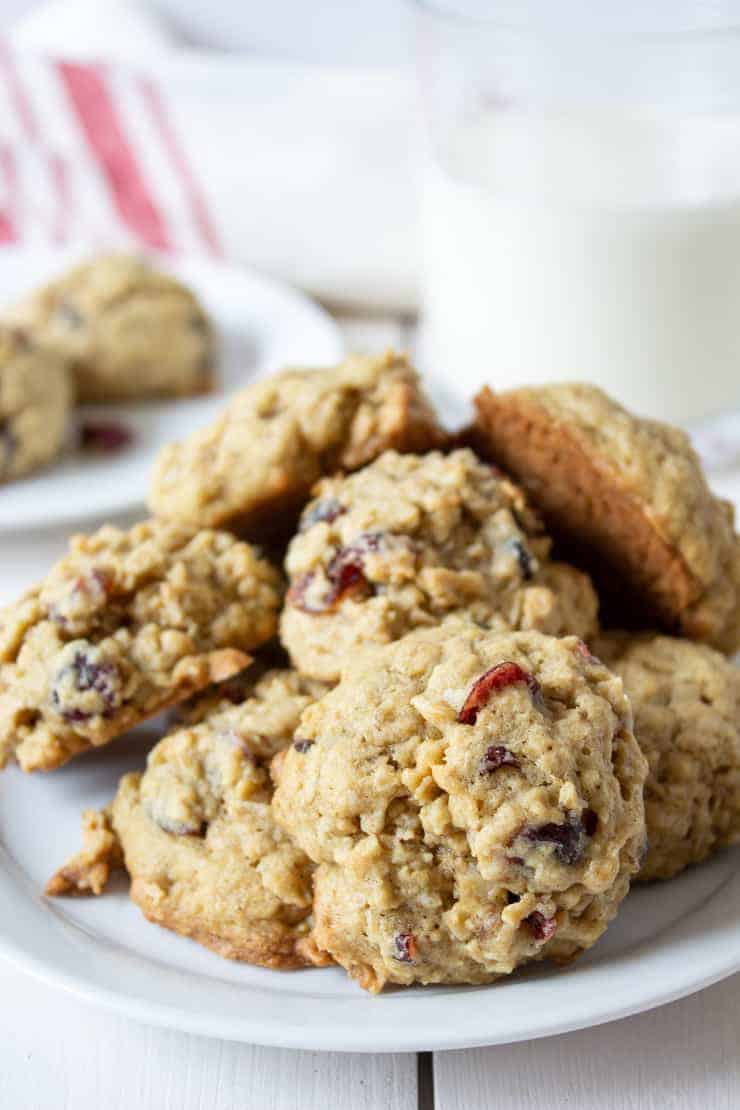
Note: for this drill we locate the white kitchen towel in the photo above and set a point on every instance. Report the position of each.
(110, 133)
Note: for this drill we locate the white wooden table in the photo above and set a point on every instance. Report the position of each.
(59, 1054)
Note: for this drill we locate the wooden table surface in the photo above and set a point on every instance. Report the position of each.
(59, 1054)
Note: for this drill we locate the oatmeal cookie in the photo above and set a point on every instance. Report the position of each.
(253, 468)
(35, 399)
(198, 836)
(686, 702)
(630, 496)
(473, 801)
(124, 625)
(127, 330)
(410, 539)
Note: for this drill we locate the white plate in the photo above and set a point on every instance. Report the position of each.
(261, 326)
(668, 941)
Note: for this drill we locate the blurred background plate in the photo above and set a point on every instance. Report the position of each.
(261, 325)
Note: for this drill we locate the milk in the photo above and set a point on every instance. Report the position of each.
(593, 248)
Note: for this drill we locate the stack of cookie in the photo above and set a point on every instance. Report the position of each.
(429, 755)
(110, 330)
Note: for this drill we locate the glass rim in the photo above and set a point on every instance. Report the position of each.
(453, 14)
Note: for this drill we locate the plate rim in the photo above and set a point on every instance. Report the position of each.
(313, 1033)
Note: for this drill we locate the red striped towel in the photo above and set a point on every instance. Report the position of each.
(304, 172)
(91, 153)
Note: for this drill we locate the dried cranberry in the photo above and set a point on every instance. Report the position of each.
(406, 950)
(542, 928)
(492, 682)
(302, 746)
(104, 436)
(524, 559)
(21, 337)
(345, 573)
(590, 822)
(583, 649)
(567, 839)
(325, 511)
(497, 756)
(87, 675)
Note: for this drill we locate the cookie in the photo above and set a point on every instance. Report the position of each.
(124, 625)
(686, 702)
(35, 399)
(198, 836)
(128, 330)
(473, 801)
(629, 496)
(410, 539)
(253, 468)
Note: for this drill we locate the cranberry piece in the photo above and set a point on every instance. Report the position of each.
(497, 756)
(524, 559)
(87, 675)
(583, 649)
(492, 682)
(21, 337)
(567, 839)
(345, 573)
(406, 950)
(104, 436)
(302, 746)
(346, 570)
(590, 822)
(325, 511)
(542, 928)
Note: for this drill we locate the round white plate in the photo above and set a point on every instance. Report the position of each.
(261, 326)
(669, 940)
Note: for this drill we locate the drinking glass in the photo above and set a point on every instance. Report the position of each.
(581, 197)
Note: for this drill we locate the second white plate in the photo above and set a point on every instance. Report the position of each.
(261, 325)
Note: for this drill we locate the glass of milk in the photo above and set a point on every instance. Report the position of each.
(581, 199)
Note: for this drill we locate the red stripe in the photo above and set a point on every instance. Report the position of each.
(171, 143)
(8, 213)
(17, 94)
(29, 122)
(90, 97)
